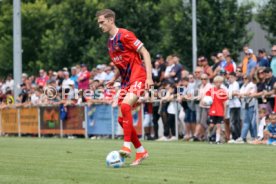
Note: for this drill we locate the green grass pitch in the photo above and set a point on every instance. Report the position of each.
(77, 161)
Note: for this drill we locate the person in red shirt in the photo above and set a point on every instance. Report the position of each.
(216, 111)
(125, 50)
(42, 79)
(229, 67)
(83, 78)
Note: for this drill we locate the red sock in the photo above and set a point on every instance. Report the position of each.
(130, 134)
(120, 120)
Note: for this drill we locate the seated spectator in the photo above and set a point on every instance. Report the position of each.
(271, 130)
(262, 59)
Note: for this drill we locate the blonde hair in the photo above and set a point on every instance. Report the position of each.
(218, 79)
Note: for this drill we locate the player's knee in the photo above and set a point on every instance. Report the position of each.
(125, 108)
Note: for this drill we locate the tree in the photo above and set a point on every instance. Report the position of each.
(266, 17)
(222, 24)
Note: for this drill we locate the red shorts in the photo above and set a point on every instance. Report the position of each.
(137, 88)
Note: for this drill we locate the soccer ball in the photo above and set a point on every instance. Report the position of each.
(114, 159)
(207, 100)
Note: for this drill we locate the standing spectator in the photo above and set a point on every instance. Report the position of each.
(175, 73)
(169, 68)
(83, 79)
(262, 101)
(26, 81)
(109, 73)
(268, 90)
(42, 79)
(162, 65)
(273, 60)
(226, 53)
(219, 65)
(68, 85)
(23, 96)
(215, 60)
(60, 78)
(245, 59)
(239, 76)
(262, 59)
(216, 111)
(235, 107)
(156, 74)
(251, 64)
(163, 110)
(74, 77)
(101, 75)
(9, 84)
(203, 110)
(190, 108)
(229, 66)
(205, 66)
(249, 114)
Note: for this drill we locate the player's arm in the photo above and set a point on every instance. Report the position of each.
(146, 57)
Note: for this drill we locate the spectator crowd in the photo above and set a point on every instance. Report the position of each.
(242, 93)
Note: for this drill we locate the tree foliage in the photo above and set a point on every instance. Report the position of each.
(267, 18)
(59, 33)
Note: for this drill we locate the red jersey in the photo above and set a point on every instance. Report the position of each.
(229, 67)
(219, 97)
(123, 50)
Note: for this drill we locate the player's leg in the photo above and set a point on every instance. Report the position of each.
(130, 135)
(129, 131)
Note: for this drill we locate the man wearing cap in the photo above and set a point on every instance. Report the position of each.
(262, 59)
(245, 59)
(83, 79)
(251, 65)
(101, 75)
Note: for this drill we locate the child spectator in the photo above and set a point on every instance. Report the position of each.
(271, 130)
(216, 111)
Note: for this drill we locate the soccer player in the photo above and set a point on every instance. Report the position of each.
(125, 50)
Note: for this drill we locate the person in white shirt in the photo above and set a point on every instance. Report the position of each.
(248, 104)
(235, 107)
(169, 68)
(68, 83)
(109, 73)
(101, 75)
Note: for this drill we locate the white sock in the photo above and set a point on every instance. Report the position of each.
(127, 144)
(140, 149)
(217, 137)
